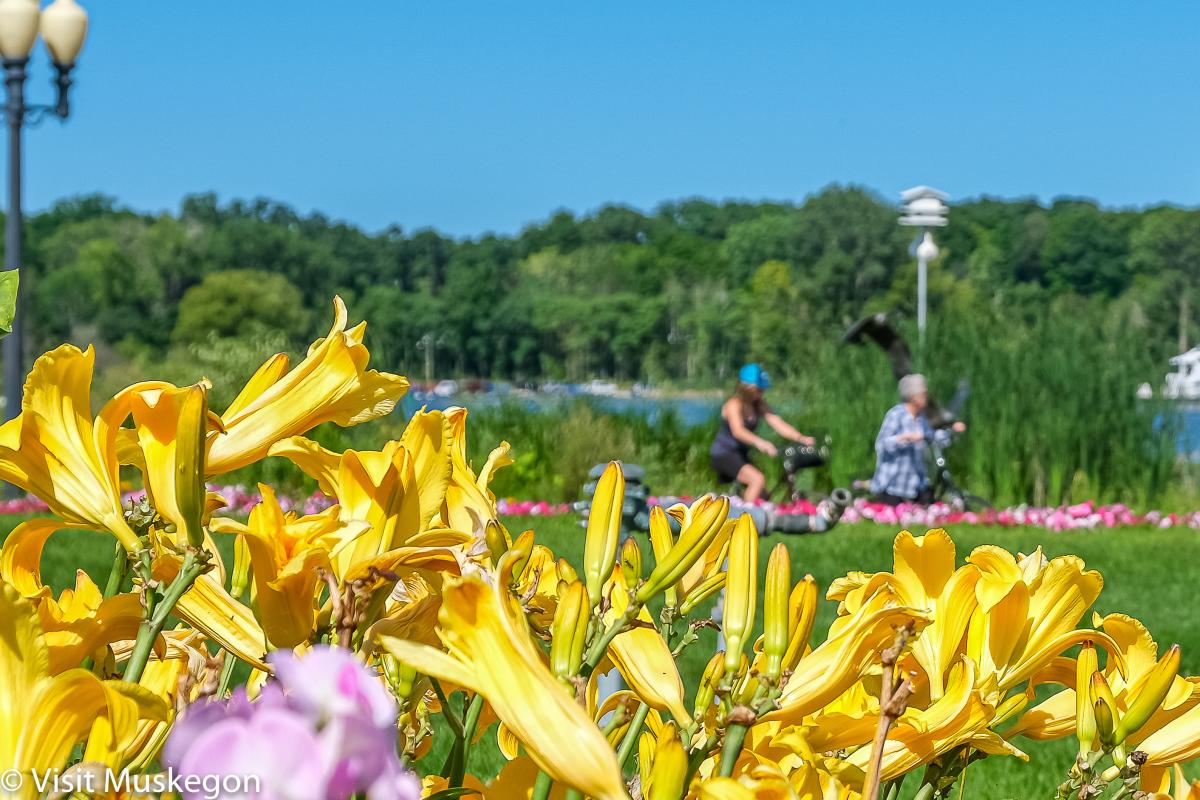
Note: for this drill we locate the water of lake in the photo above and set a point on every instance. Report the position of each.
(691, 410)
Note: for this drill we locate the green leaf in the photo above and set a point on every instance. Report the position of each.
(8, 299)
(451, 794)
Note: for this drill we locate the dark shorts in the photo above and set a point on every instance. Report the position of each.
(728, 463)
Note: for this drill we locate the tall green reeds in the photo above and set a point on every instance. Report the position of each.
(1053, 416)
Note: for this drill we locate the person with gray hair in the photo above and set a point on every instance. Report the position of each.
(900, 448)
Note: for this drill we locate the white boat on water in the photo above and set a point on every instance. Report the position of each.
(1182, 382)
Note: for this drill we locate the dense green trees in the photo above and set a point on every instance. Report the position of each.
(684, 292)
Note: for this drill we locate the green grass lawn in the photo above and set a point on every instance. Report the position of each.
(1149, 574)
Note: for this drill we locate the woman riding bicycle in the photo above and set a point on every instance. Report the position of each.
(740, 416)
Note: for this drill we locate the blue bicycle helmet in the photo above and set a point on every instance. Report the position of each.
(755, 375)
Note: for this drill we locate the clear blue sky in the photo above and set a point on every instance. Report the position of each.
(476, 116)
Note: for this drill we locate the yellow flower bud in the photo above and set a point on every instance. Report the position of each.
(241, 567)
(631, 561)
(1010, 708)
(1085, 714)
(1150, 696)
(603, 528)
(190, 490)
(1106, 709)
(776, 620)
(741, 590)
(661, 539)
(523, 546)
(670, 769)
(400, 676)
(497, 538)
(693, 541)
(702, 591)
(706, 691)
(568, 631)
(802, 606)
(565, 571)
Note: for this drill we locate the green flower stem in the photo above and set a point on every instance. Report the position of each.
(472, 718)
(447, 712)
(463, 746)
(226, 674)
(116, 575)
(735, 731)
(231, 660)
(631, 735)
(735, 736)
(195, 564)
(600, 646)
(541, 787)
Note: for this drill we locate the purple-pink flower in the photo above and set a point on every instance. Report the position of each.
(325, 729)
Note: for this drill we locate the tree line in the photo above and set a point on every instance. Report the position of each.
(682, 293)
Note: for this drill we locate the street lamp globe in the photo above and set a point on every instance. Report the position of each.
(18, 28)
(64, 26)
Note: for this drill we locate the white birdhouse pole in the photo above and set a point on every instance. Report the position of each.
(924, 208)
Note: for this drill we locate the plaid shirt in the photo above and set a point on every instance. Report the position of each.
(900, 466)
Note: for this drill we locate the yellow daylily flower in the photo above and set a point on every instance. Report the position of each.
(1055, 717)
(1176, 742)
(851, 651)
(21, 556)
(924, 577)
(766, 781)
(1183, 789)
(959, 717)
(81, 621)
(536, 582)
(642, 657)
(43, 716)
(210, 609)
(516, 781)
(171, 427)
(332, 384)
(411, 614)
(491, 653)
(56, 450)
(396, 491)
(287, 552)
(1026, 615)
(470, 504)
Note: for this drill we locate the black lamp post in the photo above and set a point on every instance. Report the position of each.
(63, 26)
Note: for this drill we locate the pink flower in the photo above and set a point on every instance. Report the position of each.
(324, 730)
(329, 683)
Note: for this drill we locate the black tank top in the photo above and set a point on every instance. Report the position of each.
(726, 442)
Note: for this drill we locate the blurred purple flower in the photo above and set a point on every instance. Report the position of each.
(324, 730)
(329, 683)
